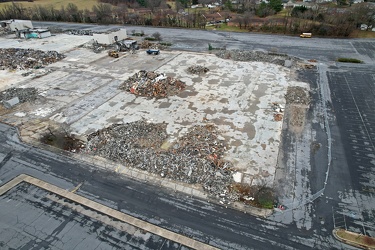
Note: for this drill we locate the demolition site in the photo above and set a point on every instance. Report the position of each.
(211, 121)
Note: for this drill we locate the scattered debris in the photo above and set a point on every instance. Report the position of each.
(312, 60)
(152, 84)
(197, 69)
(257, 56)
(278, 117)
(15, 58)
(297, 95)
(22, 94)
(194, 158)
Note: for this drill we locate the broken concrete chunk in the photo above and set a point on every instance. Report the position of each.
(288, 63)
(12, 102)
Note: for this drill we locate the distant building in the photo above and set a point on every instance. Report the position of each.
(16, 25)
(110, 38)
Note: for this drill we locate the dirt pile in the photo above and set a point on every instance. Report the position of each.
(297, 95)
(152, 84)
(195, 158)
(197, 69)
(15, 58)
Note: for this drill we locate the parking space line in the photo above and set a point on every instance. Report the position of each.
(167, 234)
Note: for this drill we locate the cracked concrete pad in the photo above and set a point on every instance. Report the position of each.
(82, 91)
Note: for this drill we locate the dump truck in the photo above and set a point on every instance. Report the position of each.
(306, 35)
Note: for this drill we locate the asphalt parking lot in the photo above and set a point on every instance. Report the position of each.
(33, 218)
(353, 96)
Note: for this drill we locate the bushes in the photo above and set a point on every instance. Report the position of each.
(349, 60)
(265, 197)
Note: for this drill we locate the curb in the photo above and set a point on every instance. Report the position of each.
(349, 242)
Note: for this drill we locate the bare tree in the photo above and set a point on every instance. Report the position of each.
(103, 12)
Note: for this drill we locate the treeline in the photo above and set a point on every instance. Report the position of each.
(337, 22)
(103, 14)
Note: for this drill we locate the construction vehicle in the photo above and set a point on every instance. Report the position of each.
(306, 35)
(153, 51)
(113, 53)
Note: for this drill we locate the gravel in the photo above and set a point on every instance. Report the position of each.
(23, 94)
(297, 95)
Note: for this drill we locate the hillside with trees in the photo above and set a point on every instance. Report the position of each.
(272, 16)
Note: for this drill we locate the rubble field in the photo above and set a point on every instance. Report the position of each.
(196, 158)
(20, 59)
(255, 56)
(152, 84)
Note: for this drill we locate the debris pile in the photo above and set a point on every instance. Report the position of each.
(80, 32)
(257, 56)
(297, 95)
(194, 158)
(145, 44)
(152, 84)
(23, 94)
(197, 69)
(4, 31)
(15, 58)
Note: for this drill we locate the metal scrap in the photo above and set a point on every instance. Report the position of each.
(152, 84)
(197, 69)
(16, 58)
(195, 158)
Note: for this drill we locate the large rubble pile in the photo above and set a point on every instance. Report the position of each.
(197, 157)
(23, 94)
(297, 95)
(257, 56)
(152, 84)
(197, 69)
(15, 58)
